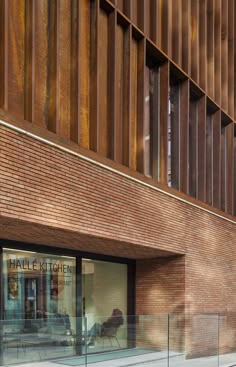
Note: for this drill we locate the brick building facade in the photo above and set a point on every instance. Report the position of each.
(117, 143)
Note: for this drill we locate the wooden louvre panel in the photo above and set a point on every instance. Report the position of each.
(193, 147)
(41, 70)
(229, 168)
(216, 142)
(128, 8)
(154, 21)
(217, 51)
(140, 104)
(51, 101)
(28, 64)
(231, 66)
(234, 176)
(165, 28)
(224, 54)
(64, 68)
(154, 96)
(127, 94)
(133, 101)
(80, 67)
(134, 11)
(201, 149)
(104, 125)
(195, 40)
(174, 135)
(209, 158)
(120, 5)
(176, 31)
(93, 75)
(164, 122)
(223, 167)
(184, 137)
(16, 58)
(185, 35)
(2, 53)
(119, 95)
(210, 48)
(202, 44)
(227, 165)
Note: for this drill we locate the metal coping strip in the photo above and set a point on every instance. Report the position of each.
(90, 160)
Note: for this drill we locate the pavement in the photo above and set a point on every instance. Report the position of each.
(151, 360)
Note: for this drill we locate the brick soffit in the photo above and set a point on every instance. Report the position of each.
(111, 169)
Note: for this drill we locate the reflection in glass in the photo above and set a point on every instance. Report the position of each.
(105, 304)
(39, 302)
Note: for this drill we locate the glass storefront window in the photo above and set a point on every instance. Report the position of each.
(38, 286)
(40, 306)
(104, 287)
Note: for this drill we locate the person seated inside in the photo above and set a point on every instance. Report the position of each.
(115, 321)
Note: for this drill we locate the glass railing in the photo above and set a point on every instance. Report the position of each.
(164, 340)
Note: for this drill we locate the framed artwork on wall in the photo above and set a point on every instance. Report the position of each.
(12, 288)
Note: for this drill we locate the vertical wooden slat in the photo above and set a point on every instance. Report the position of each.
(184, 137)
(147, 123)
(133, 121)
(114, 51)
(234, 62)
(234, 174)
(165, 28)
(127, 94)
(119, 96)
(6, 54)
(28, 70)
(120, 5)
(84, 40)
(141, 11)
(163, 121)
(210, 48)
(216, 141)
(217, 51)
(147, 18)
(159, 23)
(194, 40)
(128, 8)
(223, 167)
(40, 55)
(202, 43)
(64, 67)
(174, 127)
(231, 80)
(154, 20)
(51, 93)
(176, 31)
(75, 52)
(140, 104)
(104, 132)
(209, 160)
(16, 57)
(224, 55)
(201, 149)
(185, 35)
(229, 168)
(154, 96)
(193, 148)
(94, 67)
(2, 52)
(134, 11)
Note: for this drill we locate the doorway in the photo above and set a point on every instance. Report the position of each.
(30, 298)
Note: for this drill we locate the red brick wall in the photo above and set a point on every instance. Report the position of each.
(43, 186)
